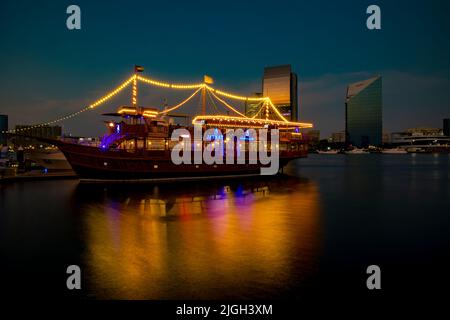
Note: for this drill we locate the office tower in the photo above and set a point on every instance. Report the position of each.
(363, 113)
(280, 84)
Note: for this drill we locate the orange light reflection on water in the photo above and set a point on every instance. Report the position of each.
(235, 242)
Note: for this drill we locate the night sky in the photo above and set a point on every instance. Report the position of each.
(48, 71)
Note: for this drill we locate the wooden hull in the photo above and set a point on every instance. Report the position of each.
(92, 163)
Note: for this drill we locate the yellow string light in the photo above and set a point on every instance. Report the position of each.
(134, 92)
(197, 86)
(169, 85)
(127, 110)
(112, 93)
(71, 115)
(181, 103)
(276, 110)
(253, 121)
(259, 110)
(226, 104)
(236, 97)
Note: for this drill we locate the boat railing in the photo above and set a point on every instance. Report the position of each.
(166, 144)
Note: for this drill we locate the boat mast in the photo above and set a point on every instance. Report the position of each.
(204, 100)
(134, 92)
(206, 80)
(134, 99)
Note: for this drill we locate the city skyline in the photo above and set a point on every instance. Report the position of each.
(49, 71)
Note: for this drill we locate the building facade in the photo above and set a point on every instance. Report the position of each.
(423, 138)
(338, 137)
(280, 84)
(50, 132)
(3, 127)
(363, 113)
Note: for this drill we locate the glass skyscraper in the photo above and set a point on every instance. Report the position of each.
(363, 113)
(280, 84)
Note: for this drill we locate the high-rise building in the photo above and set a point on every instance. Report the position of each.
(280, 84)
(363, 113)
(446, 127)
(3, 127)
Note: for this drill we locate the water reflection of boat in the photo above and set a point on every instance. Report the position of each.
(228, 239)
(171, 200)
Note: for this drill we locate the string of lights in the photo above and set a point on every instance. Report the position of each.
(71, 115)
(259, 110)
(214, 92)
(276, 111)
(181, 103)
(212, 101)
(226, 104)
(233, 96)
(112, 93)
(233, 120)
(195, 86)
(170, 85)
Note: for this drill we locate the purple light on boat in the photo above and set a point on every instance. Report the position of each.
(109, 139)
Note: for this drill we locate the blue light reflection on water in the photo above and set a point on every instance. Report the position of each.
(314, 230)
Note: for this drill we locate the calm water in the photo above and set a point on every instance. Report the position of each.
(312, 231)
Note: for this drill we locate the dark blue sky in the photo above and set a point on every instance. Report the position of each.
(48, 71)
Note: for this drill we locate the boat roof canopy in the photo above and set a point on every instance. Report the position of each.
(229, 121)
(126, 111)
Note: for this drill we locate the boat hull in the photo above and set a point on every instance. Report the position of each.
(92, 163)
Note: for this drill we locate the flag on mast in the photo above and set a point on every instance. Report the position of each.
(138, 68)
(208, 79)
